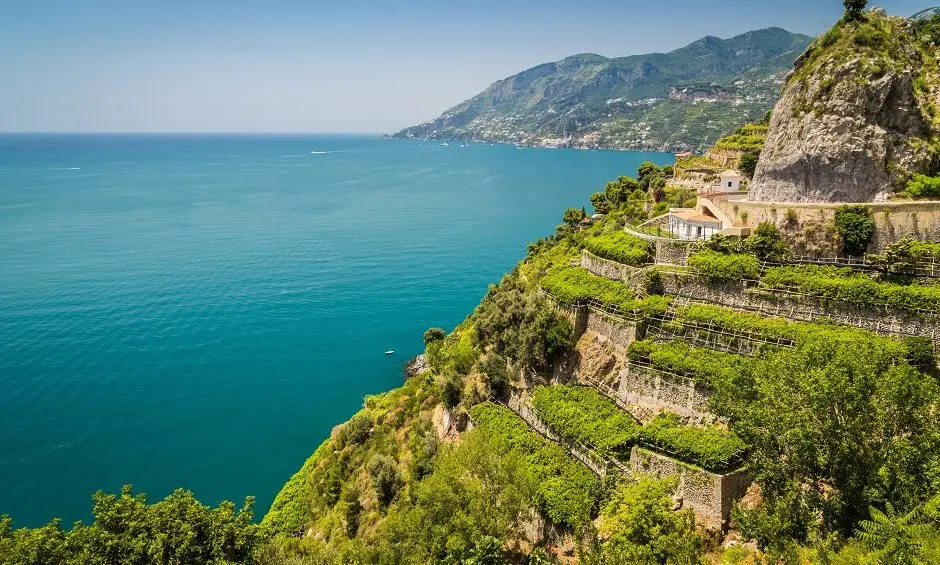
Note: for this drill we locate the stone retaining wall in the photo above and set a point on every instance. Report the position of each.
(709, 495)
(802, 308)
(641, 385)
(609, 327)
(893, 220)
(606, 326)
(669, 252)
(608, 269)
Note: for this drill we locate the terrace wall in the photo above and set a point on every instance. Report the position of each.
(709, 495)
(893, 220)
(669, 252)
(646, 386)
(800, 307)
(609, 269)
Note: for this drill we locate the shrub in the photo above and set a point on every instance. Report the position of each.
(712, 448)
(583, 414)
(922, 186)
(856, 227)
(451, 390)
(433, 335)
(522, 327)
(567, 490)
(600, 203)
(497, 375)
(902, 256)
(854, 8)
(356, 430)
(573, 216)
(722, 267)
(386, 480)
(571, 285)
(748, 164)
(455, 353)
(767, 244)
(621, 247)
(920, 353)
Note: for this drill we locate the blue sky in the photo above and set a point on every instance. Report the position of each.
(313, 66)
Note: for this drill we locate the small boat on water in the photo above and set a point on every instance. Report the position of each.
(445, 144)
(390, 352)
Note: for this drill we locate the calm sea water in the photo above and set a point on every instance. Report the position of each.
(200, 311)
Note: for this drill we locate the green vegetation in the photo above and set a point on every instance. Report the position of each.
(766, 244)
(748, 163)
(712, 448)
(585, 415)
(433, 335)
(476, 500)
(126, 529)
(567, 491)
(905, 255)
(572, 285)
(705, 366)
(737, 321)
(621, 247)
(858, 288)
(835, 426)
(854, 8)
(639, 526)
(923, 187)
(856, 227)
(741, 142)
(721, 267)
(522, 327)
(573, 216)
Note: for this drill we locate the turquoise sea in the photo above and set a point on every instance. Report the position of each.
(200, 311)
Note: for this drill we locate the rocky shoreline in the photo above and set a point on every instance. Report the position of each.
(416, 366)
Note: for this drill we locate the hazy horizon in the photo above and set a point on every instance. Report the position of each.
(287, 66)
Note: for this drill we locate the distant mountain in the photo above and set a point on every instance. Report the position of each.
(684, 99)
(926, 14)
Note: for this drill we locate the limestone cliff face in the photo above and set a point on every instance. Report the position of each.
(856, 119)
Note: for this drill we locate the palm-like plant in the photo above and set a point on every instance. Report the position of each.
(894, 539)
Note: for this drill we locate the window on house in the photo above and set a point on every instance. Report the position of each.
(729, 184)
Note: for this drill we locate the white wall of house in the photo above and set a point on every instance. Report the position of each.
(730, 183)
(689, 229)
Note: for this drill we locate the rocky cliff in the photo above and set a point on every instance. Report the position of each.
(858, 116)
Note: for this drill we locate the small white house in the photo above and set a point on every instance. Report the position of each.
(693, 224)
(730, 181)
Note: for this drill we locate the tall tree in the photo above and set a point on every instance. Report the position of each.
(854, 8)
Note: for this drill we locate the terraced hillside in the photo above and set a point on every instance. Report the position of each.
(726, 384)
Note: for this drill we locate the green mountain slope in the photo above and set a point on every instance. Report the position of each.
(684, 99)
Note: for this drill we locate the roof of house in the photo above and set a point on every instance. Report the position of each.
(694, 216)
(684, 154)
(597, 217)
(731, 174)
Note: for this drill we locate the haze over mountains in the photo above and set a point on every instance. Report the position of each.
(684, 99)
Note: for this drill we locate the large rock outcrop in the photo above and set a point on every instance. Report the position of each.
(857, 117)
